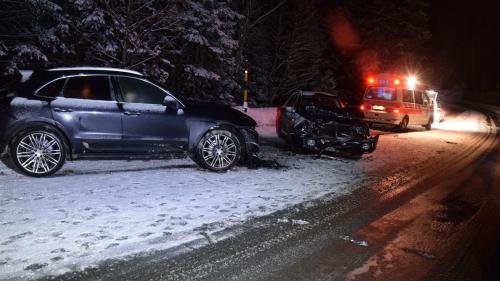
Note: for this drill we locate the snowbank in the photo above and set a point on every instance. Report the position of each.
(266, 118)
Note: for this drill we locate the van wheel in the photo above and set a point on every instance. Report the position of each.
(38, 152)
(218, 151)
(428, 126)
(403, 126)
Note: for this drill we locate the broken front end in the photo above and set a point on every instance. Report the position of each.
(340, 135)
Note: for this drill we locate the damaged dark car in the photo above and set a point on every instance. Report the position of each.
(320, 122)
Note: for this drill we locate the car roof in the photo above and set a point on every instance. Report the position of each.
(93, 70)
(34, 79)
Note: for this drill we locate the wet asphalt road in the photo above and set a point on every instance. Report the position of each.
(441, 226)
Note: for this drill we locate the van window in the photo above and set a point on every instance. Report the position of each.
(88, 88)
(408, 96)
(426, 98)
(381, 93)
(418, 97)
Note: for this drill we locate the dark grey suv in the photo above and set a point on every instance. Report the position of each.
(102, 113)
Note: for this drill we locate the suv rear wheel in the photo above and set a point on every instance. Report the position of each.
(218, 150)
(38, 152)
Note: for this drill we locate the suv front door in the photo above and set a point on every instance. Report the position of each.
(89, 113)
(148, 127)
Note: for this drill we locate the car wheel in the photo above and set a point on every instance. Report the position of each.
(403, 126)
(38, 152)
(218, 150)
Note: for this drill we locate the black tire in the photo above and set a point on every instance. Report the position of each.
(42, 149)
(218, 150)
(428, 126)
(403, 126)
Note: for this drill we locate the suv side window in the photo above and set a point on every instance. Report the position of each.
(137, 91)
(51, 90)
(407, 96)
(418, 98)
(88, 88)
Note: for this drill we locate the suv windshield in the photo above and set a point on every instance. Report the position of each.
(380, 93)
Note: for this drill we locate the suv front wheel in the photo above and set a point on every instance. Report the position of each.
(218, 150)
(37, 152)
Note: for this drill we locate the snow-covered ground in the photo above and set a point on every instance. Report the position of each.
(92, 211)
(97, 210)
(466, 121)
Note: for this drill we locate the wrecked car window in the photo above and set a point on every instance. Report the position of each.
(325, 103)
(381, 93)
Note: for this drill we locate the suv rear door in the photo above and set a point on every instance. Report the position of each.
(89, 112)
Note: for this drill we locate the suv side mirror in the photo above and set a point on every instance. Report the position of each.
(170, 103)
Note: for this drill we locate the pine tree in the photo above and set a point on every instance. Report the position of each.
(288, 49)
(207, 57)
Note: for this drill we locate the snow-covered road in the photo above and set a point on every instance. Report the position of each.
(93, 211)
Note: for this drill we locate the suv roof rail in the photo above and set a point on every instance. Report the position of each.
(88, 68)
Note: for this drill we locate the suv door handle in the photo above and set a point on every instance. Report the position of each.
(57, 109)
(132, 113)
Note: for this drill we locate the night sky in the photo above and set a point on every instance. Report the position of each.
(466, 43)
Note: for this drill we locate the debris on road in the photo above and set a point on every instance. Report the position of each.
(300, 222)
(354, 241)
(293, 222)
(420, 253)
(258, 163)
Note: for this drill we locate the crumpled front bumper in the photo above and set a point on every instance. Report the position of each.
(251, 141)
(369, 145)
(359, 146)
